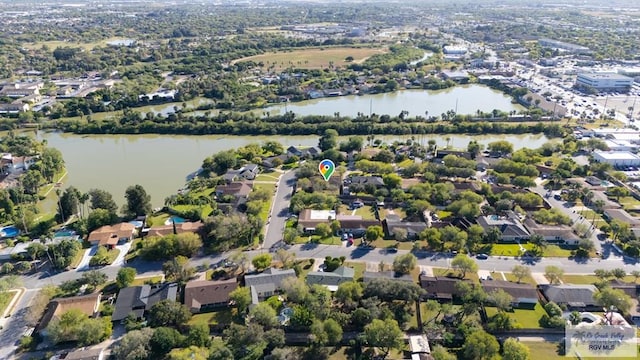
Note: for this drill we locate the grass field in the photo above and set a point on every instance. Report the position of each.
(527, 319)
(313, 58)
(212, 318)
(358, 268)
(590, 279)
(147, 280)
(77, 259)
(512, 278)
(454, 273)
(54, 44)
(366, 212)
(5, 299)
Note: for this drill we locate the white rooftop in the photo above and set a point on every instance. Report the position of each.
(322, 214)
(617, 155)
(419, 344)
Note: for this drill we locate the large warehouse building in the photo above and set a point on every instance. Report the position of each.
(617, 158)
(604, 81)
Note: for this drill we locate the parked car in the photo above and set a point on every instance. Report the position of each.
(482, 256)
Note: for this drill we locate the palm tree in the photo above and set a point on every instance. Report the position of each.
(448, 139)
(83, 198)
(58, 193)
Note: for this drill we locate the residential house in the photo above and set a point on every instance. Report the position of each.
(112, 235)
(266, 283)
(457, 76)
(271, 161)
(240, 189)
(510, 227)
(86, 354)
(13, 108)
(622, 216)
(308, 152)
(393, 222)
(248, 172)
(574, 297)
(19, 90)
(201, 295)
(369, 276)
(631, 289)
(365, 180)
(333, 279)
(16, 164)
(440, 288)
(557, 234)
(87, 304)
(420, 349)
(524, 295)
(187, 226)
(309, 219)
(137, 300)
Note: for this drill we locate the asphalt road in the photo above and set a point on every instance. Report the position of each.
(279, 209)
(14, 326)
(574, 216)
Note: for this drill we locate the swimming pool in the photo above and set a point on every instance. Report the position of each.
(64, 233)
(174, 219)
(136, 223)
(9, 232)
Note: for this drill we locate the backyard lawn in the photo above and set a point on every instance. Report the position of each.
(271, 177)
(590, 279)
(528, 319)
(367, 212)
(212, 318)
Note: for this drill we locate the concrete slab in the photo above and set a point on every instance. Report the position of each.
(539, 278)
(428, 270)
(484, 274)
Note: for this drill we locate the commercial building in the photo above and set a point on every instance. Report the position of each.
(561, 45)
(617, 158)
(604, 81)
(455, 50)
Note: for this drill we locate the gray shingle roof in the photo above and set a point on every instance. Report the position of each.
(269, 280)
(335, 278)
(138, 299)
(573, 295)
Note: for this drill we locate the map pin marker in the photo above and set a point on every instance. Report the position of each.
(326, 168)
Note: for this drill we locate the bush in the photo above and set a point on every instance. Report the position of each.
(553, 309)
(555, 322)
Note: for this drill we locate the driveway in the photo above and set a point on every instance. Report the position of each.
(279, 209)
(84, 263)
(124, 249)
(569, 211)
(14, 326)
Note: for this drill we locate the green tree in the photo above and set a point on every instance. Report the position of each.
(178, 269)
(502, 146)
(501, 299)
(138, 202)
(438, 352)
(69, 203)
(219, 350)
(94, 278)
(323, 230)
(328, 332)
(373, 233)
(553, 274)
(404, 264)
(100, 217)
(262, 261)
(264, 315)
(328, 140)
(36, 250)
(168, 313)
(125, 277)
(512, 349)
(521, 272)
(617, 298)
(480, 345)
(385, 335)
(464, 264)
(134, 345)
(51, 163)
(199, 335)
(163, 340)
(349, 293)
(101, 199)
(241, 297)
(392, 181)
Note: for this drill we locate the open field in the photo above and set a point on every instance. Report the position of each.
(147, 280)
(212, 318)
(5, 299)
(313, 58)
(73, 44)
(528, 319)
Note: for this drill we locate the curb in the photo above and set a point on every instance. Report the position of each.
(14, 300)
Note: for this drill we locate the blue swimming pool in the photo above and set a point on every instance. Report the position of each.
(136, 223)
(64, 233)
(174, 219)
(9, 232)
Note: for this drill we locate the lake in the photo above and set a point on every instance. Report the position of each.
(160, 163)
(467, 99)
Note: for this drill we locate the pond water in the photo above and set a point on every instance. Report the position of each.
(161, 163)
